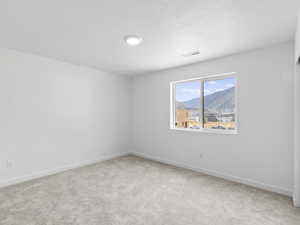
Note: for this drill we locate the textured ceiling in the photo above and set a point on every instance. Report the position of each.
(90, 32)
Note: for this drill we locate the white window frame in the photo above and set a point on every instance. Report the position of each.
(202, 79)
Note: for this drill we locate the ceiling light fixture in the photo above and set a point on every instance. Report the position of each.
(133, 40)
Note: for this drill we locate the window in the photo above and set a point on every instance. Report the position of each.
(204, 104)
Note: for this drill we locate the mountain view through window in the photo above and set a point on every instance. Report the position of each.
(219, 104)
(205, 104)
(188, 105)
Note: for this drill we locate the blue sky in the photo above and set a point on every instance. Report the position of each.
(189, 90)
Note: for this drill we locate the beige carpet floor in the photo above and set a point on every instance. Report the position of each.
(134, 191)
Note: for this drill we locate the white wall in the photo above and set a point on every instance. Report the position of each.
(55, 115)
(297, 39)
(297, 119)
(261, 154)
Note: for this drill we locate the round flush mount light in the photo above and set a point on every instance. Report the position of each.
(133, 40)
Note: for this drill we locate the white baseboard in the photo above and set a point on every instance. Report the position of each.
(48, 172)
(245, 181)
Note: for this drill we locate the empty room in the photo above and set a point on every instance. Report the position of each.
(135, 112)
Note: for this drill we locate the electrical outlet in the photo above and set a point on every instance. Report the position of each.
(9, 164)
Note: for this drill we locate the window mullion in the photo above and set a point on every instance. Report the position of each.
(202, 103)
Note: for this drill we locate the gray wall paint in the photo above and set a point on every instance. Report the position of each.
(262, 152)
(297, 39)
(55, 114)
(297, 119)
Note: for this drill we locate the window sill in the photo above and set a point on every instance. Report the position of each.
(206, 130)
